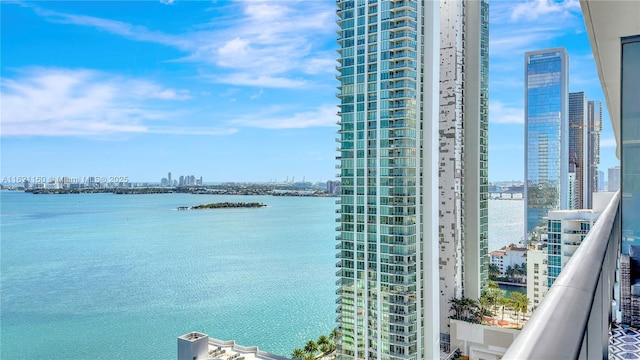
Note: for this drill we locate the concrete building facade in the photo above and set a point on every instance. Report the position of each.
(594, 128)
(577, 137)
(614, 179)
(537, 285)
(395, 244)
(566, 229)
(508, 257)
(463, 153)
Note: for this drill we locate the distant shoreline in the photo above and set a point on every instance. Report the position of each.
(223, 205)
(205, 190)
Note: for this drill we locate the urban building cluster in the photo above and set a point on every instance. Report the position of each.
(413, 168)
(562, 137)
(183, 180)
(412, 234)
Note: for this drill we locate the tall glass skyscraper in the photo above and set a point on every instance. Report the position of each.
(594, 128)
(392, 232)
(546, 132)
(578, 141)
(585, 124)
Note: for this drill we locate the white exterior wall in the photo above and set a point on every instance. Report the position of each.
(572, 188)
(193, 346)
(450, 202)
(463, 257)
(570, 224)
(497, 259)
(536, 276)
(514, 257)
(510, 257)
(481, 341)
(570, 236)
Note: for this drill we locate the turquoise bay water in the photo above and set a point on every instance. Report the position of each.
(102, 276)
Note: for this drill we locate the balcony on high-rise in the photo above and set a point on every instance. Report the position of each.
(591, 304)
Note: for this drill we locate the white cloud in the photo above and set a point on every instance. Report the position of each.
(544, 9)
(249, 79)
(260, 42)
(175, 130)
(517, 27)
(511, 41)
(64, 102)
(266, 11)
(167, 2)
(500, 113)
(323, 116)
(138, 33)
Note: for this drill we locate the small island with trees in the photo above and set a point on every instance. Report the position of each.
(223, 205)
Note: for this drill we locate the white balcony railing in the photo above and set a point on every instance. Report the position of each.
(572, 322)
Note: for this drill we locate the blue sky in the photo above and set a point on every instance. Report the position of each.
(227, 90)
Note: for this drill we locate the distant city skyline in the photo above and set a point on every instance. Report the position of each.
(135, 88)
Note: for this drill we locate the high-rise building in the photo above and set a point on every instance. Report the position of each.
(566, 229)
(546, 131)
(594, 128)
(396, 244)
(537, 286)
(585, 124)
(601, 180)
(572, 188)
(614, 178)
(463, 163)
(578, 149)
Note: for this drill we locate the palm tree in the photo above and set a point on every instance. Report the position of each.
(311, 347)
(470, 308)
(494, 271)
(504, 302)
(509, 272)
(520, 303)
(298, 353)
(325, 348)
(494, 295)
(484, 303)
(323, 344)
(456, 307)
(334, 335)
(323, 340)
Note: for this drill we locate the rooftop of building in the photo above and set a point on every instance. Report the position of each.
(229, 350)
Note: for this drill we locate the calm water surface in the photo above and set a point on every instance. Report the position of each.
(102, 276)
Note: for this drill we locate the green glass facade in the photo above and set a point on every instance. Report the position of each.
(382, 262)
(630, 133)
(380, 162)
